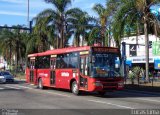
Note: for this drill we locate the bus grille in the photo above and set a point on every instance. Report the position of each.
(110, 85)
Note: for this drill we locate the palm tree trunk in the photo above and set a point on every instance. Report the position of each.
(10, 56)
(137, 33)
(17, 54)
(77, 41)
(57, 42)
(83, 38)
(146, 49)
(62, 39)
(103, 35)
(155, 30)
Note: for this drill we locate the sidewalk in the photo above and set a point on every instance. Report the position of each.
(20, 79)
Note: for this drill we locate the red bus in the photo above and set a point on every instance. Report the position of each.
(87, 68)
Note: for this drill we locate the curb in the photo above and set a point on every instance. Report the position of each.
(20, 79)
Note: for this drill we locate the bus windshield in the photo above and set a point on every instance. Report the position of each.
(105, 65)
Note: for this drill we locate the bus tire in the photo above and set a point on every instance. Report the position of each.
(40, 84)
(74, 88)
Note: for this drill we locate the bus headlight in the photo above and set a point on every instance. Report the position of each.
(120, 84)
(97, 83)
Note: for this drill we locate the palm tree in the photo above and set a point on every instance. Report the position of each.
(6, 44)
(79, 23)
(11, 42)
(43, 34)
(104, 17)
(57, 18)
(19, 45)
(94, 36)
(138, 9)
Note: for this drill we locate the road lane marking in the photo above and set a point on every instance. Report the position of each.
(57, 94)
(146, 99)
(31, 84)
(43, 91)
(121, 106)
(19, 87)
(1, 88)
(11, 87)
(23, 87)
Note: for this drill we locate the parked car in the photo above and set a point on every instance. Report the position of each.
(2, 78)
(6, 77)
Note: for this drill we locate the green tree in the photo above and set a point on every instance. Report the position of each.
(79, 23)
(58, 18)
(11, 42)
(105, 15)
(137, 72)
(102, 16)
(43, 34)
(6, 44)
(137, 9)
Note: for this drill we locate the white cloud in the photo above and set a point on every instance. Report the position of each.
(14, 1)
(23, 3)
(77, 1)
(91, 6)
(16, 13)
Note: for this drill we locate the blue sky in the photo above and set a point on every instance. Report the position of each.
(14, 12)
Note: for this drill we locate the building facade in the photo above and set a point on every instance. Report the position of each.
(135, 51)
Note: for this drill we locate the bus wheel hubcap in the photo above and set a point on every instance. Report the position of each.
(75, 88)
(40, 85)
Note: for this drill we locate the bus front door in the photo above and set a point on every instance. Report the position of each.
(52, 72)
(84, 72)
(32, 71)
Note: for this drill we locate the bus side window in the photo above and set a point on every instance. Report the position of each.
(73, 60)
(60, 62)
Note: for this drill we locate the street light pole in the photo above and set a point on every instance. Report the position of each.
(28, 13)
(146, 50)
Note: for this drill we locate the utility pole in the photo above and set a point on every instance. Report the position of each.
(28, 14)
(146, 50)
(28, 20)
(124, 60)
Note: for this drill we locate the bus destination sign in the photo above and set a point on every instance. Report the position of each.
(105, 50)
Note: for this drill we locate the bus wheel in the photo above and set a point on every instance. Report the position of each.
(101, 93)
(74, 88)
(40, 84)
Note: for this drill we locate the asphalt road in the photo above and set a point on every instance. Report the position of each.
(23, 96)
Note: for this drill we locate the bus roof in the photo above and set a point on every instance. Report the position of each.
(64, 50)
